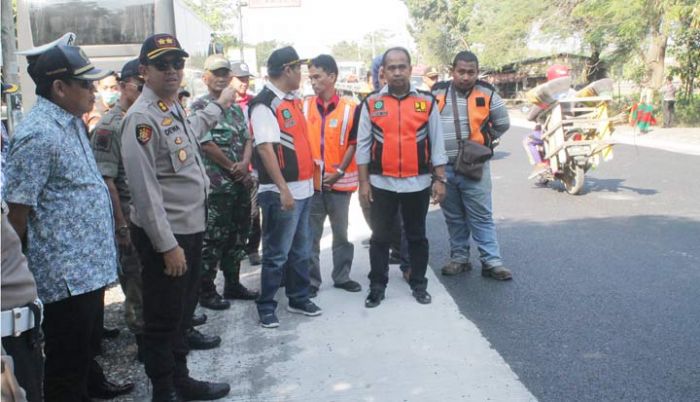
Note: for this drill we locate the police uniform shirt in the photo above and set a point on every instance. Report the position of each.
(106, 143)
(18, 285)
(164, 168)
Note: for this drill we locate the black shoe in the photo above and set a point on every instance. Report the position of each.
(350, 286)
(110, 333)
(308, 309)
(254, 258)
(192, 390)
(374, 298)
(199, 319)
(109, 390)
(422, 296)
(213, 301)
(165, 396)
(240, 292)
(199, 341)
(313, 292)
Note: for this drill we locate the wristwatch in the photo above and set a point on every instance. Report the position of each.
(340, 171)
(441, 179)
(123, 230)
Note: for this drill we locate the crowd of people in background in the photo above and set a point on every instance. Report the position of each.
(135, 188)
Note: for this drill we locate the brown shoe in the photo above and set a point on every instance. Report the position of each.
(454, 268)
(499, 273)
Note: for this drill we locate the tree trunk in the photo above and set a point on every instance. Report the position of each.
(655, 60)
(10, 69)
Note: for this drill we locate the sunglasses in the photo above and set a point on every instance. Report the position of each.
(164, 65)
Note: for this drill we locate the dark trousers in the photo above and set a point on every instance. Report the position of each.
(255, 232)
(398, 244)
(414, 209)
(168, 305)
(669, 109)
(28, 361)
(72, 327)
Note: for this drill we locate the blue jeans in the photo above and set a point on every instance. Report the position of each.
(286, 244)
(467, 210)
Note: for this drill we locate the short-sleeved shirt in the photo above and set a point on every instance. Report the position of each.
(230, 135)
(106, 142)
(266, 129)
(51, 168)
(167, 178)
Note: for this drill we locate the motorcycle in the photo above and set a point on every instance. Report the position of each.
(575, 137)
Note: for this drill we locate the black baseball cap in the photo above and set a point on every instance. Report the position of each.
(159, 44)
(283, 57)
(130, 69)
(62, 61)
(240, 69)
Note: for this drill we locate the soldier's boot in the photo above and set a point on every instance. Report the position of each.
(208, 296)
(233, 289)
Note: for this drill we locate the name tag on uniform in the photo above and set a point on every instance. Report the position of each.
(333, 123)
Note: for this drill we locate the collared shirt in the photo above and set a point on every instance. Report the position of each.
(230, 135)
(51, 168)
(498, 117)
(167, 178)
(403, 184)
(266, 129)
(106, 142)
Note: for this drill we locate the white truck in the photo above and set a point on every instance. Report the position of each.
(110, 31)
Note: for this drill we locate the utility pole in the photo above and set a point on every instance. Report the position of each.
(239, 6)
(10, 70)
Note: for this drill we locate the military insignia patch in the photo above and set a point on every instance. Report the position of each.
(162, 106)
(378, 105)
(103, 140)
(480, 101)
(178, 140)
(144, 132)
(166, 122)
(286, 114)
(420, 106)
(182, 155)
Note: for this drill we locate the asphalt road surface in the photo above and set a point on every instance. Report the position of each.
(605, 301)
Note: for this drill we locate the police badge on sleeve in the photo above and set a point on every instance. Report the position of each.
(144, 132)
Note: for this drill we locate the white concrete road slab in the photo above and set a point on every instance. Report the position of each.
(399, 351)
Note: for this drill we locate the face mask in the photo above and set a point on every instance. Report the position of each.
(110, 98)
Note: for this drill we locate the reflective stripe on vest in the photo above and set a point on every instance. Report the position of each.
(478, 111)
(400, 140)
(336, 128)
(293, 151)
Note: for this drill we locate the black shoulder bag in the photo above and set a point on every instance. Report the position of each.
(471, 155)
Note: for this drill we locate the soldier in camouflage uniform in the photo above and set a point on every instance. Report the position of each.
(227, 150)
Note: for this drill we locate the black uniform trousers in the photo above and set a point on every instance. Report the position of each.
(414, 209)
(168, 305)
(28, 361)
(72, 327)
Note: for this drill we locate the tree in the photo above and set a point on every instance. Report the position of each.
(220, 16)
(440, 27)
(264, 49)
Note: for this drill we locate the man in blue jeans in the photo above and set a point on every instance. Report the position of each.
(482, 116)
(285, 171)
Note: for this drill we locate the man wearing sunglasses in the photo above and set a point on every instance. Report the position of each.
(60, 206)
(106, 143)
(168, 184)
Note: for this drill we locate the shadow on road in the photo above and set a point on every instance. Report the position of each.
(614, 185)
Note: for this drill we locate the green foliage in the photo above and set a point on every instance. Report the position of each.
(688, 112)
(220, 16)
(440, 27)
(265, 48)
(373, 44)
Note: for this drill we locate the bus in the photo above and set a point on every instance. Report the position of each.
(109, 31)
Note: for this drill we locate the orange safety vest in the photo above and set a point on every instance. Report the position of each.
(400, 133)
(478, 108)
(333, 130)
(293, 150)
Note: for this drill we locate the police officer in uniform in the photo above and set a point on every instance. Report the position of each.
(168, 185)
(106, 145)
(227, 151)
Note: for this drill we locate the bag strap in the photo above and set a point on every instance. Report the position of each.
(455, 114)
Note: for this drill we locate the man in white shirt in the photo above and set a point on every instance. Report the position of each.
(284, 164)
